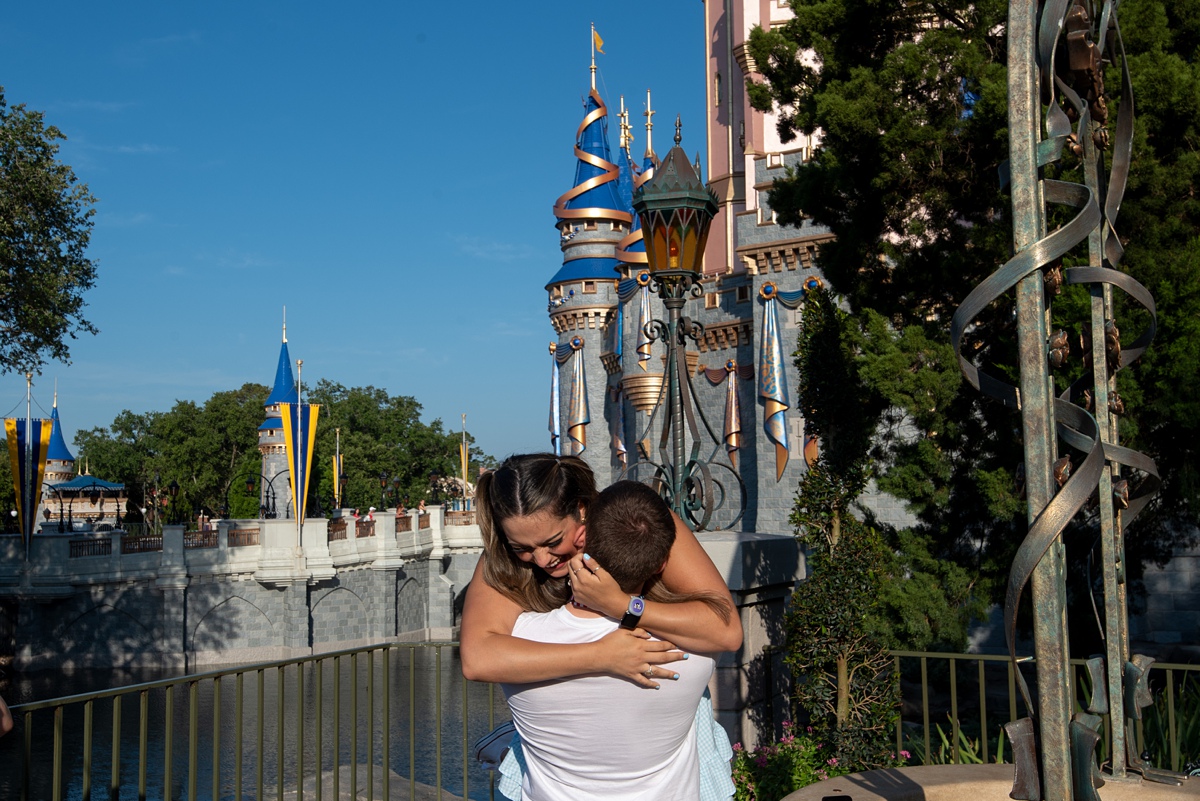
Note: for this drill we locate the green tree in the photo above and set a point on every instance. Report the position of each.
(912, 112)
(45, 225)
(211, 450)
(208, 450)
(844, 674)
(381, 434)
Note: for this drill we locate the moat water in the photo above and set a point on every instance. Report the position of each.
(438, 697)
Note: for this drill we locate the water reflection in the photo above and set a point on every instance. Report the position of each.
(425, 691)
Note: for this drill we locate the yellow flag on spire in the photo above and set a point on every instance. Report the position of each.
(596, 40)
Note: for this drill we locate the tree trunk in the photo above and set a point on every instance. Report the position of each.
(843, 691)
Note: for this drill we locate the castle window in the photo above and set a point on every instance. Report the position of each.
(590, 225)
(774, 160)
(711, 300)
(743, 294)
(589, 287)
(717, 90)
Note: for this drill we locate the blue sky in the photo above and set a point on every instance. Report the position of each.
(386, 170)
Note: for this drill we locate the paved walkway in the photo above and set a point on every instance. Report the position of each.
(973, 782)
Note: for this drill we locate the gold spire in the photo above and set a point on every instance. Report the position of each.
(55, 394)
(626, 128)
(285, 325)
(593, 56)
(649, 115)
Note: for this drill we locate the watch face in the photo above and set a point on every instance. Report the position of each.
(636, 605)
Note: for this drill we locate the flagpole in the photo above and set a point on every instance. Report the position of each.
(337, 467)
(593, 56)
(463, 455)
(297, 478)
(27, 482)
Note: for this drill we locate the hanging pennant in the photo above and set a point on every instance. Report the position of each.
(299, 440)
(578, 415)
(772, 379)
(772, 371)
(27, 475)
(555, 424)
(733, 408)
(643, 341)
(618, 425)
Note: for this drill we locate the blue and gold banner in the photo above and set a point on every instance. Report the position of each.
(27, 474)
(337, 482)
(772, 379)
(299, 438)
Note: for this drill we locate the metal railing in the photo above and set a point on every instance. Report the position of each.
(200, 539)
(460, 518)
(337, 530)
(971, 708)
(91, 547)
(403, 523)
(141, 544)
(241, 537)
(314, 727)
(364, 528)
(423, 520)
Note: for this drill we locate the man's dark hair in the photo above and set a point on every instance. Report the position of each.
(630, 532)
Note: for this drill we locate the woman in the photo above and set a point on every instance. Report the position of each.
(531, 514)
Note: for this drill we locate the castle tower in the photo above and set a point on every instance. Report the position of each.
(270, 437)
(60, 464)
(591, 221)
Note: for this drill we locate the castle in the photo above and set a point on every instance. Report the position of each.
(607, 377)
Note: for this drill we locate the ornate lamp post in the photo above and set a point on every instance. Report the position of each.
(435, 486)
(676, 208)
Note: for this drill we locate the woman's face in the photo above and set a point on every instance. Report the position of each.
(545, 540)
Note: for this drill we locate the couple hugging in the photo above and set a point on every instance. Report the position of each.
(601, 653)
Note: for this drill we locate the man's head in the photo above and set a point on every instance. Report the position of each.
(630, 532)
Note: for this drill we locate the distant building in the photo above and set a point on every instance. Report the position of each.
(273, 495)
(76, 502)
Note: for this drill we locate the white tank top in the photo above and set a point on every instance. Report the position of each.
(602, 737)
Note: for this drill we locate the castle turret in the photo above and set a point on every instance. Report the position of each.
(591, 220)
(60, 464)
(273, 495)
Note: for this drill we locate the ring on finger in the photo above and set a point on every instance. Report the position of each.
(650, 671)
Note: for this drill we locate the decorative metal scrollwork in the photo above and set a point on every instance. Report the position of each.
(1067, 48)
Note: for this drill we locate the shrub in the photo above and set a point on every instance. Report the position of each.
(796, 760)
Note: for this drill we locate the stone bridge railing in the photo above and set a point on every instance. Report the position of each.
(274, 552)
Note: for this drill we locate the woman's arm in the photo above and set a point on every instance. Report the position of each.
(692, 625)
(489, 652)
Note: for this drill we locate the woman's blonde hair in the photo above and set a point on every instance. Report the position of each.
(529, 484)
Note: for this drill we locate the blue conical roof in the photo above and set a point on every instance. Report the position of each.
(284, 390)
(593, 169)
(57, 451)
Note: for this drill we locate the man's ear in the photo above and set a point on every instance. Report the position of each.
(580, 536)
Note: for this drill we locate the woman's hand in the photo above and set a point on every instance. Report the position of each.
(634, 656)
(595, 588)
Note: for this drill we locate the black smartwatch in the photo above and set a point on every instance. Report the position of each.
(633, 615)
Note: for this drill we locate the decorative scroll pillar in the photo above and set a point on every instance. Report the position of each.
(1065, 99)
